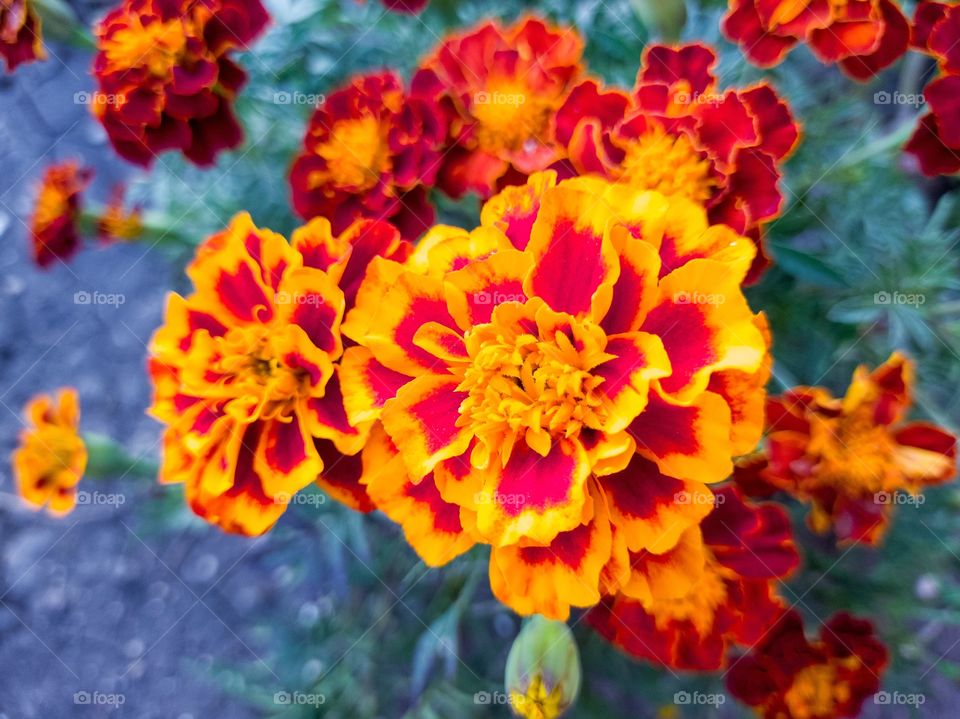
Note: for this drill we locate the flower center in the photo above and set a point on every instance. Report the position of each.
(509, 116)
(815, 691)
(856, 454)
(532, 383)
(156, 46)
(356, 153)
(56, 450)
(252, 364)
(669, 164)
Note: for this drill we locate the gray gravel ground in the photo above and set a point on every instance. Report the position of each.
(99, 602)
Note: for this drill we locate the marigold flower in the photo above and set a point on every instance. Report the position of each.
(747, 548)
(936, 141)
(52, 457)
(244, 371)
(371, 150)
(558, 414)
(850, 458)
(165, 78)
(787, 676)
(117, 223)
(504, 85)
(861, 36)
(679, 134)
(54, 231)
(20, 34)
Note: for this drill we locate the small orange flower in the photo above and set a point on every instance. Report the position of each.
(20, 35)
(679, 134)
(165, 78)
(504, 85)
(244, 371)
(554, 415)
(851, 458)
(862, 36)
(787, 676)
(747, 548)
(52, 456)
(371, 151)
(54, 227)
(936, 142)
(116, 223)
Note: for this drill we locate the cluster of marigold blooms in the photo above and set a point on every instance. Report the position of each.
(863, 37)
(568, 383)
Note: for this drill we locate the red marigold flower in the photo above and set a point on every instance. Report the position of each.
(54, 229)
(936, 142)
(504, 86)
(678, 134)
(244, 371)
(165, 79)
(850, 458)
(747, 547)
(371, 150)
(530, 406)
(116, 223)
(787, 676)
(52, 457)
(862, 36)
(20, 34)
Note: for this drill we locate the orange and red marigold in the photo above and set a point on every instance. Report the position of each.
(245, 374)
(849, 458)
(54, 226)
(733, 599)
(371, 150)
(862, 36)
(20, 34)
(502, 86)
(678, 133)
(52, 457)
(787, 676)
(936, 142)
(559, 416)
(165, 79)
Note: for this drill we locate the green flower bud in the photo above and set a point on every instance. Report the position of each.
(663, 18)
(543, 670)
